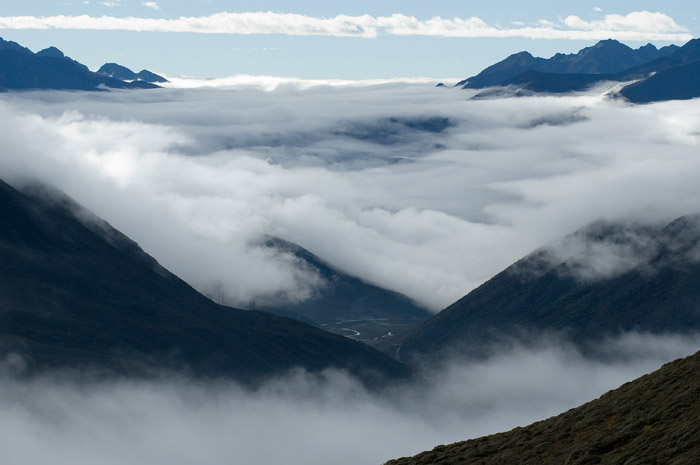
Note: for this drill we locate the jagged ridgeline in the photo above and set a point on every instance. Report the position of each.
(652, 420)
(649, 74)
(50, 69)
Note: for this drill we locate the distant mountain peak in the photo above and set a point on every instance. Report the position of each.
(118, 71)
(52, 52)
(610, 43)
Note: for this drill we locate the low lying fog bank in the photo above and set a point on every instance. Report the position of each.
(308, 420)
(410, 187)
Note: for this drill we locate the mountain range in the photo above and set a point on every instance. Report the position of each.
(603, 280)
(649, 74)
(21, 69)
(76, 293)
(652, 420)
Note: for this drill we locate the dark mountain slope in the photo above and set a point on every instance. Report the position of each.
(345, 301)
(20, 69)
(74, 292)
(676, 83)
(652, 420)
(605, 57)
(601, 281)
(538, 82)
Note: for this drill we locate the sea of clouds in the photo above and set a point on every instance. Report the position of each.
(410, 187)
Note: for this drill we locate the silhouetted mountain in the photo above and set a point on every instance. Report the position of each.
(76, 293)
(125, 74)
(651, 420)
(20, 69)
(344, 301)
(665, 74)
(598, 282)
(605, 57)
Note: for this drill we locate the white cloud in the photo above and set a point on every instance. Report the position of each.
(302, 419)
(431, 215)
(635, 22)
(641, 25)
(270, 83)
(153, 5)
(597, 9)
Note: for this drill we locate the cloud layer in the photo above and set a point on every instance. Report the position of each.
(304, 420)
(410, 187)
(639, 25)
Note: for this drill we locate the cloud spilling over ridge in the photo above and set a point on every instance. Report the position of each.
(409, 187)
(301, 419)
(639, 25)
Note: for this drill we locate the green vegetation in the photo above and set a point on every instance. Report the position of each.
(652, 420)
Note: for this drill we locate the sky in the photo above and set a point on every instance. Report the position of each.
(443, 39)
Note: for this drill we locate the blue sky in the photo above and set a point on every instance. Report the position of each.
(377, 48)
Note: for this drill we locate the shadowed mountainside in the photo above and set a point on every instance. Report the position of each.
(76, 293)
(345, 304)
(651, 420)
(603, 280)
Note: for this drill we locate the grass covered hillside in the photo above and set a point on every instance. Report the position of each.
(652, 420)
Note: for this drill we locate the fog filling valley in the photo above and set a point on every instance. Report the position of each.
(302, 419)
(410, 187)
